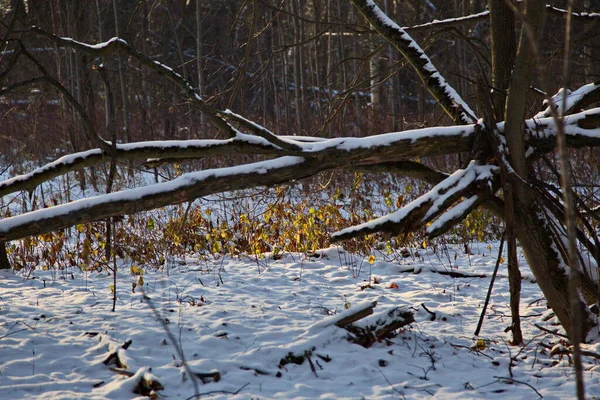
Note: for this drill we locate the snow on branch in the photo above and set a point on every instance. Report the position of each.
(261, 131)
(439, 88)
(473, 179)
(581, 130)
(185, 188)
(453, 216)
(576, 100)
(242, 143)
(485, 15)
(380, 153)
(389, 147)
(580, 16)
(450, 22)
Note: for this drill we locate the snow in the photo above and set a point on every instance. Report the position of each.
(546, 127)
(65, 160)
(388, 139)
(572, 98)
(97, 46)
(452, 213)
(56, 329)
(436, 22)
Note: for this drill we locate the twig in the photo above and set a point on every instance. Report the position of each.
(551, 332)
(433, 315)
(390, 383)
(312, 366)
(198, 395)
(501, 378)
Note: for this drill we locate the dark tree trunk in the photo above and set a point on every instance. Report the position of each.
(4, 263)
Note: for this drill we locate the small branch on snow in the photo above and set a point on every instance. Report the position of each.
(198, 395)
(551, 332)
(433, 315)
(501, 378)
(352, 315)
(113, 358)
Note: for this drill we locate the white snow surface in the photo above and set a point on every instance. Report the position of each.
(236, 316)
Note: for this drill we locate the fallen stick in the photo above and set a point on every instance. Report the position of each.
(380, 327)
(352, 315)
(146, 386)
(114, 356)
(215, 376)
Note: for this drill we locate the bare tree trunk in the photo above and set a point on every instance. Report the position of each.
(514, 275)
(124, 102)
(4, 262)
(199, 61)
(502, 30)
(298, 88)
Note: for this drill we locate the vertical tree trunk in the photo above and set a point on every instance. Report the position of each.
(124, 102)
(514, 275)
(504, 49)
(199, 62)
(502, 32)
(4, 262)
(298, 89)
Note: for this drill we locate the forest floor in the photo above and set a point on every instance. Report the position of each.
(241, 317)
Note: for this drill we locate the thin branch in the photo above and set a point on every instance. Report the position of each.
(521, 382)
(261, 131)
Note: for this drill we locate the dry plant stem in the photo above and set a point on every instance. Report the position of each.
(570, 218)
(199, 395)
(489, 293)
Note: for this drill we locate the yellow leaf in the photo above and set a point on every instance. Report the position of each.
(501, 260)
(371, 259)
(480, 345)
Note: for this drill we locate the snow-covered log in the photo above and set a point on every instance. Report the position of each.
(380, 326)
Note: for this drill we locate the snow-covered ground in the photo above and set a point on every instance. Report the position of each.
(241, 317)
